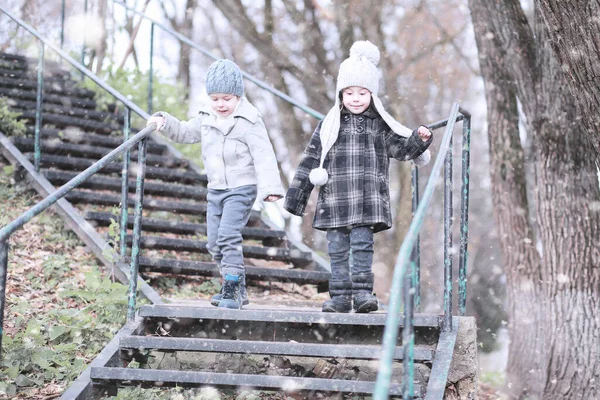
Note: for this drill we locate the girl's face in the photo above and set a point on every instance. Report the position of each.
(223, 103)
(356, 99)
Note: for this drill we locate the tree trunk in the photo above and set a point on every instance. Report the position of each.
(553, 297)
(573, 28)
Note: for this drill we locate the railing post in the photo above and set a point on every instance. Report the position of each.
(464, 217)
(416, 253)
(137, 229)
(4, 246)
(125, 185)
(37, 152)
(62, 24)
(151, 69)
(408, 336)
(448, 239)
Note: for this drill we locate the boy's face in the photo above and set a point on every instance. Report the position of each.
(223, 103)
(356, 99)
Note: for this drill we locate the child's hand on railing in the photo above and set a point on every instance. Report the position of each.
(158, 120)
(273, 197)
(424, 133)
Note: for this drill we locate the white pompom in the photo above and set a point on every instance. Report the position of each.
(364, 48)
(423, 159)
(318, 176)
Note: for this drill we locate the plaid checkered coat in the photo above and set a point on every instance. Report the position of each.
(357, 192)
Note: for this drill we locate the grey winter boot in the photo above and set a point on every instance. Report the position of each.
(216, 299)
(341, 297)
(362, 293)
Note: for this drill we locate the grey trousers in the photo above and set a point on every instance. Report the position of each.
(227, 213)
(358, 239)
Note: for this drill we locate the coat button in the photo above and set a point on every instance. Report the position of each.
(347, 130)
(346, 118)
(360, 129)
(361, 119)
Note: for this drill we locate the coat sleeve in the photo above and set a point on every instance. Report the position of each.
(405, 148)
(301, 187)
(181, 131)
(265, 162)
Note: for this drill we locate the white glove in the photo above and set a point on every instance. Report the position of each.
(158, 120)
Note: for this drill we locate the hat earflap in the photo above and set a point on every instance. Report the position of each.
(396, 126)
(329, 133)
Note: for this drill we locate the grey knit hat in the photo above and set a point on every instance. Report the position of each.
(224, 76)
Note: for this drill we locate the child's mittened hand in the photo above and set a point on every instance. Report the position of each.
(273, 197)
(424, 133)
(158, 120)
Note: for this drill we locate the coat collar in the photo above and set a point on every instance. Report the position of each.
(244, 110)
(370, 112)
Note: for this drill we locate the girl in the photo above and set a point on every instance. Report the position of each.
(348, 156)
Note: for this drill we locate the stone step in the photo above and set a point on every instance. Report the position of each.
(80, 164)
(101, 182)
(17, 93)
(21, 106)
(186, 228)
(365, 352)
(177, 207)
(184, 267)
(199, 246)
(58, 147)
(78, 136)
(61, 87)
(153, 377)
(63, 121)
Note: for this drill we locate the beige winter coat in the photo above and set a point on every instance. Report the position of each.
(241, 156)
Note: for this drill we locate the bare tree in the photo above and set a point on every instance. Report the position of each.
(553, 292)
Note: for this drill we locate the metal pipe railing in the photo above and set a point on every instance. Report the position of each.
(123, 149)
(390, 335)
(464, 217)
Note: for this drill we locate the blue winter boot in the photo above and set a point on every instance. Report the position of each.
(216, 299)
(231, 297)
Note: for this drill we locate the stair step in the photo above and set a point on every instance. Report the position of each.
(365, 352)
(80, 164)
(55, 86)
(56, 146)
(183, 228)
(265, 253)
(153, 377)
(107, 199)
(64, 121)
(17, 93)
(75, 135)
(186, 267)
(100, 182)
(69, 111)
(280, 316)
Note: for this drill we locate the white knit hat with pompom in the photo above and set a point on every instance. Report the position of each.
(360, 69)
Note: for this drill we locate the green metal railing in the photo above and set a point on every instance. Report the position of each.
(123, 151)
(405, 278)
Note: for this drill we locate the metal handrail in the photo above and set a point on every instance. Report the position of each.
(124, 149)
(390, 335)
(207, 53)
